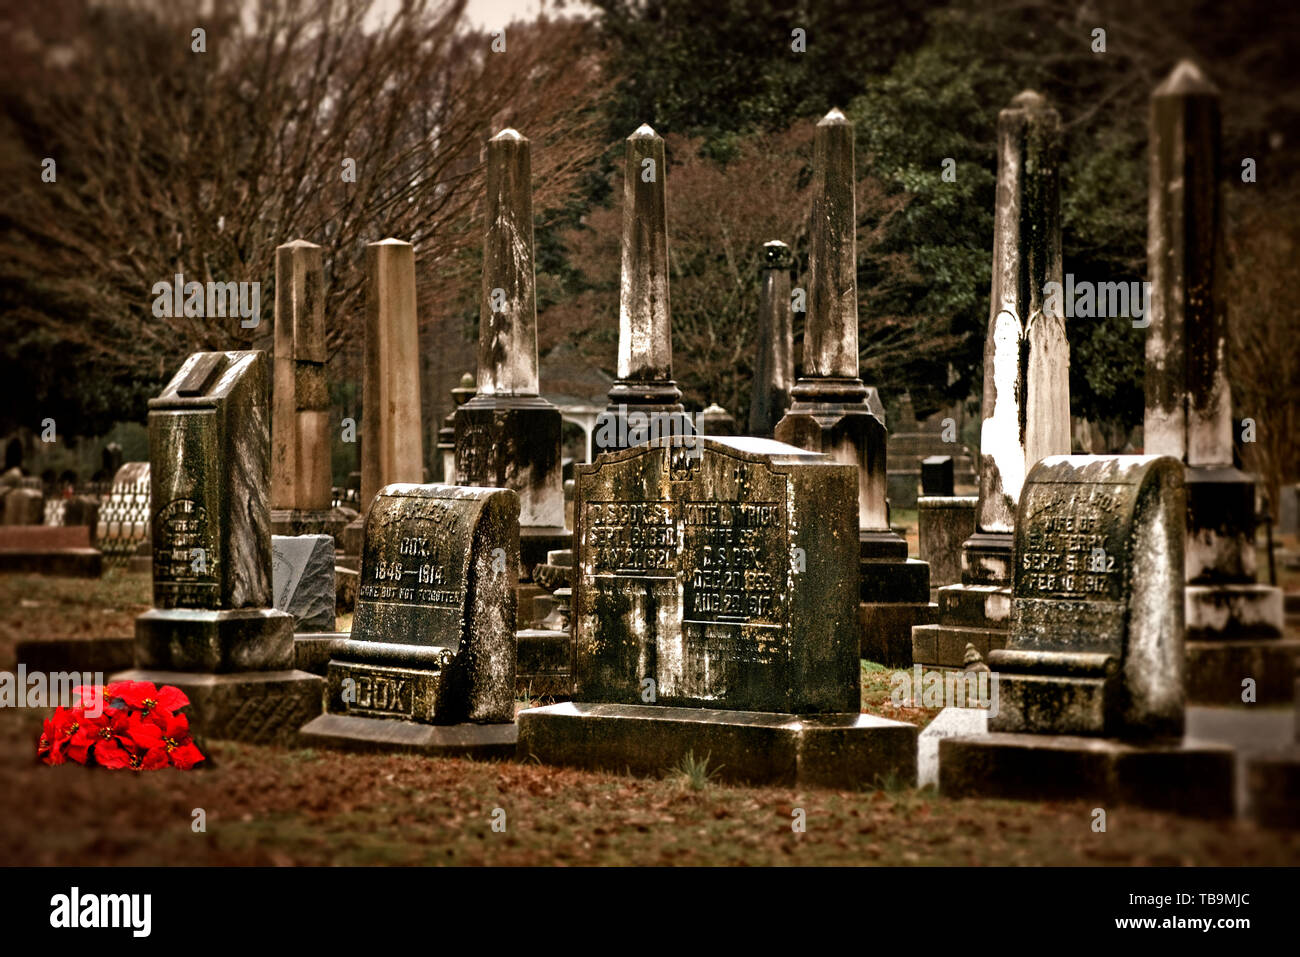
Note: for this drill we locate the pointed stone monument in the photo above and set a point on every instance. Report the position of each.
(836, 414)
(1234, 625)
(300, 407)
(507, 435)
(1090, 691)
(1026, 402)
(774, 365)
(644, 401)
(392, 444)
(213, 632)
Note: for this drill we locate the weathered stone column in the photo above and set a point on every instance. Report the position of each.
(836, 414)
(774, 363)
(392, 446)
(300, 410)
(1189, 402)
(1026, 399)
(644, 396)
(508, 436)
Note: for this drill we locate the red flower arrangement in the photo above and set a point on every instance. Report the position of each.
(126, 724)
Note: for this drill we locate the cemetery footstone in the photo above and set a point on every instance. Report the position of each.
(213, 631)
(1090, 684)
(1234, 624)
(430, 665)
(834, 413)
(948, 723)
(714, 600)
(1026, 403)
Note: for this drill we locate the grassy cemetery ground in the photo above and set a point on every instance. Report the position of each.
(278, 806)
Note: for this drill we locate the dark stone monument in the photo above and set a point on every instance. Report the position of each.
(1234, 624)
(430, 666)
(774, 363)
(943, 524)
(1026, 401)
(937, 475)
(836, 414)
(213, 631)
(644, 401)
(507, 435)
(714, 612)
(1091, 682)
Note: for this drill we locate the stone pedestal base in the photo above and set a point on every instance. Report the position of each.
(242, 639)
(104, 655)
(513, 441)
(351, 733)
(1273, 786)
(544, 662)
(942, 524)
(1217, 612)
(885, 630)
(839, 751)
(536, 541)
(1216, 669)
(257, 707)
(1186, 778)
(296, 521)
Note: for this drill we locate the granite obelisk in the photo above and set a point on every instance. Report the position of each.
(1234, 625)
(1026, 399)
(774, 363)
(644, 397)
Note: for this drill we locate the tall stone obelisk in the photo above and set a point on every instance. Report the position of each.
(1234, 625)
(835, 413)
(774, 361)
(1026, 399)
(300, 407)
(507, 435)
(644, 396)
(392, 444)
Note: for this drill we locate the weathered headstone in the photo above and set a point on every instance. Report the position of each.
(124, 516)
(213, 631)
(430, 666)
(391, 433)
(302, 580)
(644, 396)
(24, 506)
(714, 612)
(300, 412)
(948, 723)
(1090, 684)
(1026, 401)
(836, 414)
(507, 435)
(943, 523)
(774, 363)
(1234, 625)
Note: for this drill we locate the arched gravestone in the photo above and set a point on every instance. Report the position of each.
(1097, 609)
(1090, 688)
(715, 599)
(430, 665)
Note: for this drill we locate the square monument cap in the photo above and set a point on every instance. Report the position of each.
(205, 379)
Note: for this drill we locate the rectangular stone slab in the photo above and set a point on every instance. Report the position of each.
(720, 575)
(841, 750)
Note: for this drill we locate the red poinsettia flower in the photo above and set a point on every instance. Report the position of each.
(171, 732)
(108, 740)
(150, 760)
(144, 696)
(90, 698)
(69, 727)
(53, 746)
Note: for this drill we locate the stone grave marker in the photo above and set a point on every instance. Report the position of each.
(302, 579)
(1025, 406)
(430, 665)
(1090, 684)
(124, 516)
(1234, 623)
(774, 364)
(937, 475)
(714, 610)
(213, 631)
